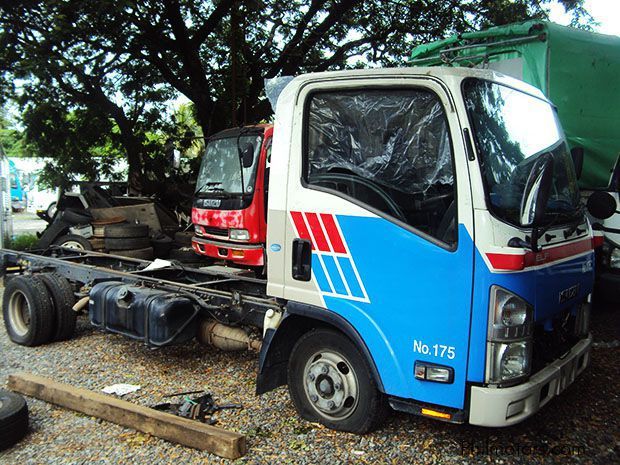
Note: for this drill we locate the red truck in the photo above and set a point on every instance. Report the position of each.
(230, 204)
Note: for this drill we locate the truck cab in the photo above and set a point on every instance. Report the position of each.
(229, 208)
(426, 234)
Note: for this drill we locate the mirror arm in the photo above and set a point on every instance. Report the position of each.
(600, 227)
(528, 243)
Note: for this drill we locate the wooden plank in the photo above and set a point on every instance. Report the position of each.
(190, 433)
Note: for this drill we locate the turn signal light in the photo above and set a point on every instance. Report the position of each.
(436, 414)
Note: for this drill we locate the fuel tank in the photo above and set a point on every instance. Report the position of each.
(158, 318)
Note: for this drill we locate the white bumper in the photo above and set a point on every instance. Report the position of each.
(507, 406)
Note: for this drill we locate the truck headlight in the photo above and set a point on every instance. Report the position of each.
(509, 361)
(239, 234)
(614, 258)
(198, 230)
(511, 316)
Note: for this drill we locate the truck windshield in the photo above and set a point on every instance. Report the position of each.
(220, 170)
(511, 130)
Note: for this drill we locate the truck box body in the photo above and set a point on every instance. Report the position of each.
(577, 70)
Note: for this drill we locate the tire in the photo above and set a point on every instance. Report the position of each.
(51, 210)
(73, 241)
(27, 311)
(97, 243)
(123, 231)
(63, 301)
(184, 254)
(143, 254)
(344, 397)
(184, 238)
(13, 418)
(129, 243)
(76, 217)
(98, 231)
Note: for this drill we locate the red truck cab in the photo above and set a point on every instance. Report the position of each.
(229, 211)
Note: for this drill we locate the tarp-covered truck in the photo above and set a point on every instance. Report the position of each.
(578, 71)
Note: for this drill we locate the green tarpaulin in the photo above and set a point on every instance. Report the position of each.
(579, 72)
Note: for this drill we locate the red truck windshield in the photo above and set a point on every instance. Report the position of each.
(220, 170)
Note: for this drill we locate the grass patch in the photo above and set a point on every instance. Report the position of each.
(23, 242)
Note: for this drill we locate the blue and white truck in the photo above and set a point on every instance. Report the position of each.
(426, 251)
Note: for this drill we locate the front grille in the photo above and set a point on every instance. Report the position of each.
(549, 346)
(222, 232)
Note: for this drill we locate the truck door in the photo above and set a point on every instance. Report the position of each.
(378, 224)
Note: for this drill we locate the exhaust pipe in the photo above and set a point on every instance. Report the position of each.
(228, 338)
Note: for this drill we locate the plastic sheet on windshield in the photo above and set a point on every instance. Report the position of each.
(397, 138)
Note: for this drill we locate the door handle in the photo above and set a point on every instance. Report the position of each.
(302, 259)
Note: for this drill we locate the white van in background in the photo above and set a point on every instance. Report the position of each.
(37, 198)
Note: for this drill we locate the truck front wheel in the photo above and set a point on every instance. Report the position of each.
(330, 382)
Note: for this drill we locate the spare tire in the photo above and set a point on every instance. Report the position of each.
(127, 243)
(27, 311)
(183, 238)
(143, 254)
(63, 300)
(13, 418)
(73, 241)
(184, 254)
(122, 231)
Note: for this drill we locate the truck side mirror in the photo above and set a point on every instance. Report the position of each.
(536, 193)
(601, 205)
(577, 156)
(247, 156)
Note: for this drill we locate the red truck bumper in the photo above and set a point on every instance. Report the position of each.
(243, 254)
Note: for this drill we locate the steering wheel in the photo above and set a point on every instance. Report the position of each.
(344, 177)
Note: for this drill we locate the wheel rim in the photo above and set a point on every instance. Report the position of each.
(331, 385)
(19, 313)
(72, 245)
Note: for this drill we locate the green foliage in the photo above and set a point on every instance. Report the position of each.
(99, 74)
(11, 139)
(23, 242)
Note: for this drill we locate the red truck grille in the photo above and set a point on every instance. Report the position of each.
(215, 231)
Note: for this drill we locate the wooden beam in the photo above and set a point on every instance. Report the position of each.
(190, 433)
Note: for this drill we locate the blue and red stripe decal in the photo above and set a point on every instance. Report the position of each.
(333, 267)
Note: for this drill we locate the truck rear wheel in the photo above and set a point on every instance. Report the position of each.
(63, 300)
(27, 311)
(330, 382)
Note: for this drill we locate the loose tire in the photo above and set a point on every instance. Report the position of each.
(129, 243)
(73, 241)
(123, 231)
(51, 210)
(27, 311)
(330, 382)
(63, 301)
(143, 254)
(184, 254)
(13, 418)
(183, 238)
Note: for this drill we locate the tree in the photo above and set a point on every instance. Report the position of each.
(123, 60)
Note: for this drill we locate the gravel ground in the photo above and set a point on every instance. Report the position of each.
(582, 426)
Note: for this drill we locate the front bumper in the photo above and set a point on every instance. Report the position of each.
(507, 406)
(242, 254)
